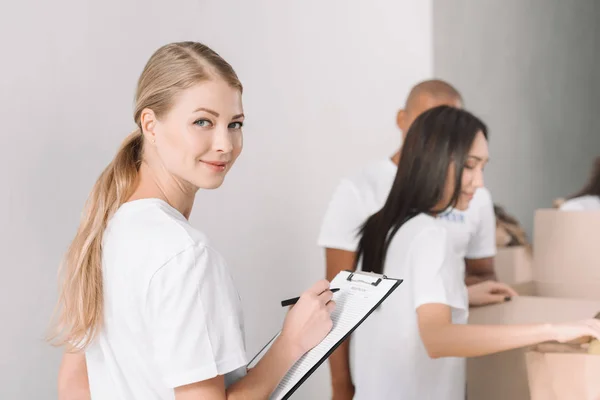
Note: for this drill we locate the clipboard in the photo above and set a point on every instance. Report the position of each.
(360, 294)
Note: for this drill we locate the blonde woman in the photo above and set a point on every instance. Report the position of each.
(148, 309)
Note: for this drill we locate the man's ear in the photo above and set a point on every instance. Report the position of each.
(401, 119)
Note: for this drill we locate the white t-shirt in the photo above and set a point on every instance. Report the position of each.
(172, 315)
(388, 358)
(583, 203)
(473, 232)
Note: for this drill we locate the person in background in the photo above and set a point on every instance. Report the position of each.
(509, 231)
(588, 198)
(472, 231)
(148, 308)
(414, 345)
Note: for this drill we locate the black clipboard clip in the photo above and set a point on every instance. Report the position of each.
(370, 278)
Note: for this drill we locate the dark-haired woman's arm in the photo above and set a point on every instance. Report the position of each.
(442, 338)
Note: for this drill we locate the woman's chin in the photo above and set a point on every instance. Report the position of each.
(462, 204)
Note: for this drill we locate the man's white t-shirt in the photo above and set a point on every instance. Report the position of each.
(172, 315)
(388, 358)
(472, 232)
(583, 203)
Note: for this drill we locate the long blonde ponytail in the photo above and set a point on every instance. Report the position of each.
(171, 69)
(80, 297)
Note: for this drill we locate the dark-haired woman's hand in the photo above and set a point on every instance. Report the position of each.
(577, 332)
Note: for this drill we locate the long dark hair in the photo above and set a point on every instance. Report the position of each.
(437, 138)
(593, 186)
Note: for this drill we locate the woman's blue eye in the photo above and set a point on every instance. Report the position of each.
(236, 125)
(202, 123)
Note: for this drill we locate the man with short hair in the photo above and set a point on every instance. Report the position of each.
(361, 195)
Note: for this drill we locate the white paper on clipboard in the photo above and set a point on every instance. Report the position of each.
(359, 295)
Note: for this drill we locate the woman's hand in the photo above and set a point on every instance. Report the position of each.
(569, 332)
(489, 292)
(305, 326)
(309, 320)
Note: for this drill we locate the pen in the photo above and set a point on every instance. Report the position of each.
(289, 302)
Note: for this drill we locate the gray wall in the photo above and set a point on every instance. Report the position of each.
(529, 69)
(596, 85)
(67, 80)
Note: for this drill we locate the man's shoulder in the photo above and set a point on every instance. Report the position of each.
(371, 175)
(482, 197)
(480, 205)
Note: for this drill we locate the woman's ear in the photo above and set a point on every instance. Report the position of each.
(148, 123)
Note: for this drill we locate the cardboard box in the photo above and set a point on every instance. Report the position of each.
(526, 288)
(514, 265)
(503, 375)
(563, 374)
(566, 249)
(589, 290)
(565, 286)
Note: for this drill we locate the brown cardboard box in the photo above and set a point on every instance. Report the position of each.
(514, 265)
(503, 376)
(589, 289)
(563, 375)
(567, 253)
(526, 288)
(566, 276)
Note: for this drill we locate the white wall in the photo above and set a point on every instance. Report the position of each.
(323, 81)
(527, 68)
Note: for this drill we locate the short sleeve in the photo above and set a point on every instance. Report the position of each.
(344, 216)
(435, 272)
(572, 205)
(483, 243)
(195, 319)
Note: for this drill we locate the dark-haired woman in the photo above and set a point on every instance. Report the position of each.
(413, 346)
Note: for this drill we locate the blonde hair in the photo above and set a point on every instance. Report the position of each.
(171, 69)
